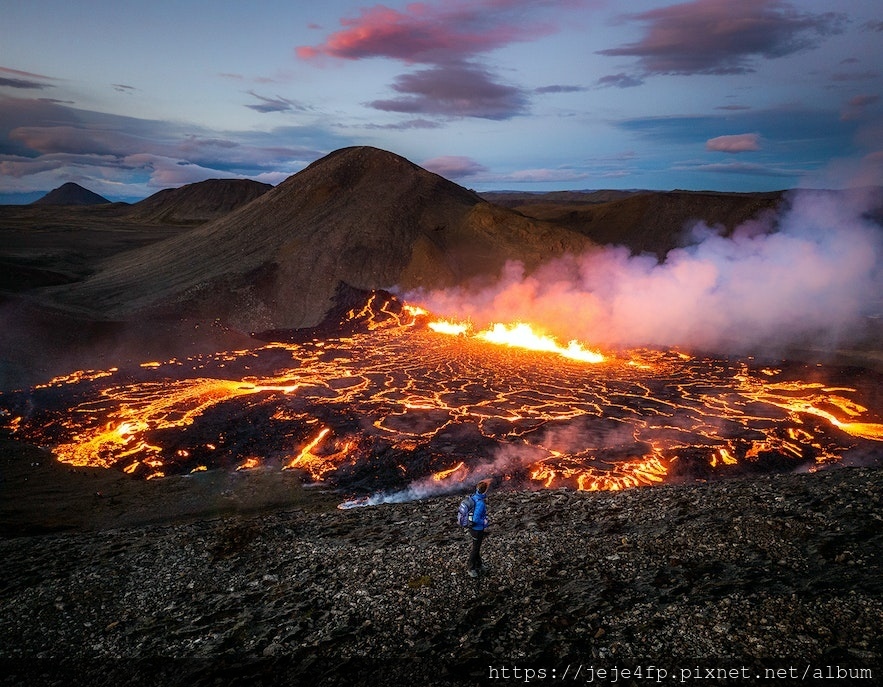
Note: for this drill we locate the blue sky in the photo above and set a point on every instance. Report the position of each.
(127, 98)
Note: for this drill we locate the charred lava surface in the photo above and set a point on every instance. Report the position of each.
(376, 403)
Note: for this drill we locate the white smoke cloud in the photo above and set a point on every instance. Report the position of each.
(813, 280)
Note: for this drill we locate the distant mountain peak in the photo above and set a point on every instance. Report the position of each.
(71, 194)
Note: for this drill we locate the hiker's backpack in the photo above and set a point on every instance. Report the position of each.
(464, 512)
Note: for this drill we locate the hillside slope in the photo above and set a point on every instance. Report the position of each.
(199, 202)
(360, 216)
(647, 221)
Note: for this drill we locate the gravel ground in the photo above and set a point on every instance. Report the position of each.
(778, 573)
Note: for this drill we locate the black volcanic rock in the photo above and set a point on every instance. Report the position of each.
(353, 311)
(71, 194)
(196, 579)
(199, 202)
(362, 216)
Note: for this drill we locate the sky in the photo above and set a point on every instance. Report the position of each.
(127, 98)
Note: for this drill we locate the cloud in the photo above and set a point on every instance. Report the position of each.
(168, 172)
(45, 143)
(231, 76)
(806, 134)
(857, 106)
(748, 168)
(448, 37)
(619, 81)
(22, 83)
(123, 88)
(738, 143)
(28, 76)
(456, 91)
(74, 140)
(277, 104)
(723, 37)
(418, 123)
(815, 278)
(557, 88)
(544, 175)
(16, 166)
(453, 166)
(855, 76)
(426, 33)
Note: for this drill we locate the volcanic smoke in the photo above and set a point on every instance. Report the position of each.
(809, 276)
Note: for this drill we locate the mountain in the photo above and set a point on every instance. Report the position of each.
(71, 194)
(359, 216)
(199, 202)
(646, 221)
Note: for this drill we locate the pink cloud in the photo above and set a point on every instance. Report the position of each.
(432, 33)
(74, 139)
(18, 72)
(169, 172)
(453, 166)
(722, 36)
(857, 106)
(738, 143)
(449, 37)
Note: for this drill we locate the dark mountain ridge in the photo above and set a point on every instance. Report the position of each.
(646, 221)
(199, 202)
(71, 194)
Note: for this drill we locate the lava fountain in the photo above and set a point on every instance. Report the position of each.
(399, 405)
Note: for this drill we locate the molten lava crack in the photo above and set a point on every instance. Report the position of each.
(399, 405)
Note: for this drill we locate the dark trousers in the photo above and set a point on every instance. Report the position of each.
(475, 554)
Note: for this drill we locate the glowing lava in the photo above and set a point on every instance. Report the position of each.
(460, 470)
(402, 404)
(519, 335)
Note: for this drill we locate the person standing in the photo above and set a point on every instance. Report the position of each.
(478, 528)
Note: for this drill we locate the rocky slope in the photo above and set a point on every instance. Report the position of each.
(361, 216)
(199, 202)
(644, 221)
(775, 573)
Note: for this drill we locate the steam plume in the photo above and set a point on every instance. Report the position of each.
(814, 277)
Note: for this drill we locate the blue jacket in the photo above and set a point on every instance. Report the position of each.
(479, 513)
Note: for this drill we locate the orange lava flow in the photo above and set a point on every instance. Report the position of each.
(519, 335)
(834, 408)
(637, 472)
(306, 456)
(149, 407)
(445, 474)
(408, 399)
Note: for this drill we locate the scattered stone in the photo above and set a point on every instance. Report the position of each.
(771, 571)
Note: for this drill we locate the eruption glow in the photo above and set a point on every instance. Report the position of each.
(409, 412)
(518, 335)
(816, 279)
(401, 404)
